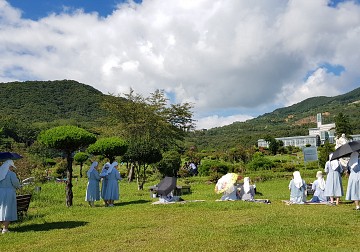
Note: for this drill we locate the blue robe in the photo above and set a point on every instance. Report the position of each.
(353, 187)
(333, 187)
(111, 190)
(8, 208)
(319, 195)
(297, 195)
(92, 190)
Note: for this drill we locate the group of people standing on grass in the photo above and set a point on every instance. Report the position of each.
(330, 190)
(109, 177)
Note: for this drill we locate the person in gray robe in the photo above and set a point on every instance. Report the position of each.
(318, 186)
(247, 191)
(353, 188)
(333, 186)
(297, 188)
(8, 185)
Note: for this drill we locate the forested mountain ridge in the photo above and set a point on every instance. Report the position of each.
(47, 101)
(294, 120)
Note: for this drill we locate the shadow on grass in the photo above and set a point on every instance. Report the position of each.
(50, 226)
(134, 202)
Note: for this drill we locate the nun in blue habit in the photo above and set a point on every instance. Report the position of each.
(93, 190)
(112, 186)
(353, 188)
(318, 186)
(8, 185)
(103, 176)
(333, 187)
(297, 188)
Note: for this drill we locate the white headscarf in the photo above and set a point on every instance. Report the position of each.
(104, 172)
(320, 180)
(4, 168)
(297, 179)
(112, 166)
(354, 160)
(246, 185)
(92, 167)
(333, 163)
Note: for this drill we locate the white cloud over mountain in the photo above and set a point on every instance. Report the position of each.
(247, 57)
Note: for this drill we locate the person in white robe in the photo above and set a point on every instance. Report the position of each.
(333, 186)
(92, 189)
(8, 185)
(297, 187)
(353, 187)
(318, 186)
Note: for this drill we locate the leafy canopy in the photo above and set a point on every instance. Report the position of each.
(66, 138)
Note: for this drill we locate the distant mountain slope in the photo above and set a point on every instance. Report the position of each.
(46, 101)
(294, 120)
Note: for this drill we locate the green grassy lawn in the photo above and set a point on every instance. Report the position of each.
(134, 224)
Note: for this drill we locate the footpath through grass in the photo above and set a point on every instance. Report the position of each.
(134, 224)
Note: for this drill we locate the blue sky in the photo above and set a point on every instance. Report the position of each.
(234, 60)
(44, 8)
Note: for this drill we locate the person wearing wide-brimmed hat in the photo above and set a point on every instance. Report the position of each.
(353, 187)
(8, 184)
(92, 189)
(333, 186)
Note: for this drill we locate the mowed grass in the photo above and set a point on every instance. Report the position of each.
(134, 224)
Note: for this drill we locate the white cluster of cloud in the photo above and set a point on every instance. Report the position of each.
(247, 57)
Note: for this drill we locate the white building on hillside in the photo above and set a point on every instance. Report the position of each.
(324, 131)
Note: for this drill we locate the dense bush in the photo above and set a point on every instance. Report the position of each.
(170, 164)
(260, 162)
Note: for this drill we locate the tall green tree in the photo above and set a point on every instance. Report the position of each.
(80, 158)
(67, 139)
(149, 122)
(142, 154)
(343, 125)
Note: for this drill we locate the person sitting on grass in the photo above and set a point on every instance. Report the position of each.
(247, 191)
(318, 186)
(297, 188)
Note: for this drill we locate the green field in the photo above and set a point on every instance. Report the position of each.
(134, 224)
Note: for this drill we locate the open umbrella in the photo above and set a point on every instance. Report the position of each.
(346, 149)
(226, 182)
(9, 155)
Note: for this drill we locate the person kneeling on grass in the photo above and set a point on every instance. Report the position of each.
(247, 191)
(318, 186)
(297, 188)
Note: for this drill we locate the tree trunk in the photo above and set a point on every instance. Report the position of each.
(81, 166)
(131, 173)
(69, 192)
